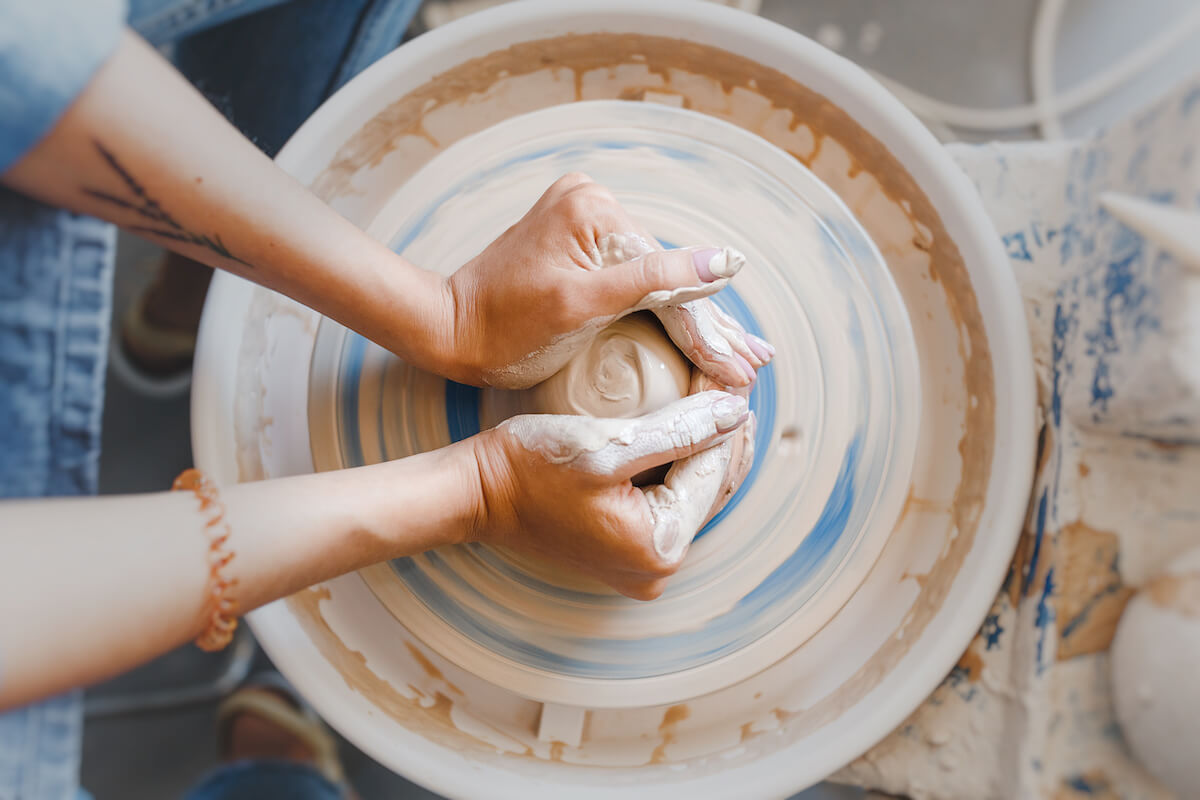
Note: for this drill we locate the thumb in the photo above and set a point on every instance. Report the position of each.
(675, 431)
(664, 278)
(679, 507)
(614, 448)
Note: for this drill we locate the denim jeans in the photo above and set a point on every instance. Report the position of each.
(257, 780)
(267, 64)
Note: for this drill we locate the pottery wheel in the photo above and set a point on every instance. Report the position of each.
(837, 410)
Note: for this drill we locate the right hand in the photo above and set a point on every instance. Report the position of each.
(521, 309)
(560, 486)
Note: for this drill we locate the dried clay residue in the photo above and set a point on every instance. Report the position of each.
(971, 664)
(1089, 596)
(748, 732)
(433, 721)
(673, 716)
(1092, 785)
(430, 669)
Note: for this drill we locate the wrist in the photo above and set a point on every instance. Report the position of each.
(410, 505)
(410, 311)
(459, 363)
(443, 356)
(468, 510)
(451, 490)
(488, 494)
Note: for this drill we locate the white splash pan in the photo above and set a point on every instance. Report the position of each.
(886, 649)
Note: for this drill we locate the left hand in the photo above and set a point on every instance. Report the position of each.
(561, 486)
(538, 294)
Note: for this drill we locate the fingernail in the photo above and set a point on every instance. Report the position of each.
(760, 348)
(715, 263)
(746, 367)
(729, 412)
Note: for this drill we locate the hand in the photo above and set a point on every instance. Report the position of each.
(573, 264)
(560, 486)
(711, 339)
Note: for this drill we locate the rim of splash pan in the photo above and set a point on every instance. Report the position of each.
(881, 115)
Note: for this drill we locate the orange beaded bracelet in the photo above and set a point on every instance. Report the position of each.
(222, 605)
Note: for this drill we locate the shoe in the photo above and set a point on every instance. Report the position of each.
(270, 698)
(153, 353)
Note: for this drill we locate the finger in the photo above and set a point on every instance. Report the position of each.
(596, 219)
(681, 504)
(629, 241)
(627, 562)
(617, 247)
(707, 340)
(620, 238)
(740, 460)
(622, 231)
(561, 186)
(753, 348)
(732, 328)
(621, 448)
(676, 431)
(660, 278)
(640, 589)
(613, 249)
(703, 382)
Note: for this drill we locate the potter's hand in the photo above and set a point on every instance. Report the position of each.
(573, 264)
(560, 486)
(733, 467)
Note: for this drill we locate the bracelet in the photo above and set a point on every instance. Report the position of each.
(221, 604)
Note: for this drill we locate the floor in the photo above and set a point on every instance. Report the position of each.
(159, 754)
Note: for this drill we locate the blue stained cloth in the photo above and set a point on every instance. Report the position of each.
(168, 21)
(256, 780)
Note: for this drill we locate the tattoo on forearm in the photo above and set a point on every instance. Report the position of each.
(158, 221)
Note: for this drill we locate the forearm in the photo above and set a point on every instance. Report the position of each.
(141, 148)
(93, 587)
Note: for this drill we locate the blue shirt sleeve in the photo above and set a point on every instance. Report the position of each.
(49, 50)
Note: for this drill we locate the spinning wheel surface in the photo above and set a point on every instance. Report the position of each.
(838, 411)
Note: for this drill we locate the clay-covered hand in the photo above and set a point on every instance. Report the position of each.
(711, 339)
(573, 264)
(741, 448)
(560, 486)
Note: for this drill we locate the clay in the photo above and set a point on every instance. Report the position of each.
(629, 369)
